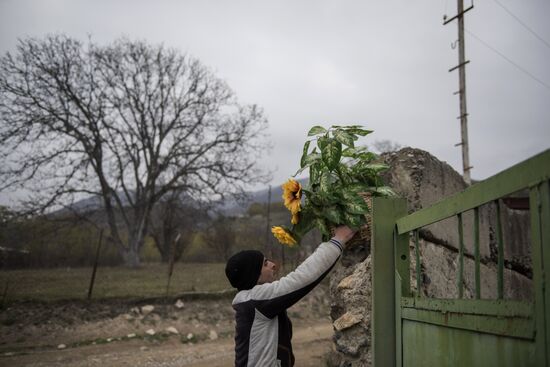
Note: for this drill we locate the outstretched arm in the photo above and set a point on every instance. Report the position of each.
(273, 298)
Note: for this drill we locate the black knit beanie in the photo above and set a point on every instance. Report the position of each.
(244, 268)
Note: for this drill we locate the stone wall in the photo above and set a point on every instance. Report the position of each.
(423, 180)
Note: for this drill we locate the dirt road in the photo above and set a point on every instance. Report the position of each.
(311, 342)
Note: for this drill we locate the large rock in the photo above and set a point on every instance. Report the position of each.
(350, 288)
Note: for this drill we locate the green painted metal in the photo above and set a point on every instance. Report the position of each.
(418, 273)
(402, 260)
(476, 253)
(385, 213)
(545, 244)
(520, 176)
(505, 326)
(429, 345)
(500, 254)
(487, 307)
(460, 278)
(398, 322)
(539, 203)
(414, 331)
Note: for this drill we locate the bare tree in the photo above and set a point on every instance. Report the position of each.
(173, 217)
(221, 236)
(386, 146)
(128, 123)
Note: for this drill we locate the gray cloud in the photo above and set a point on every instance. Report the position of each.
(379, 63)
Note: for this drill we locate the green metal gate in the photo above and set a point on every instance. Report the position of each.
(409, 329)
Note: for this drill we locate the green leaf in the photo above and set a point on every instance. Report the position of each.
(314, 174)
(358, 187)
(344, 138)
(334, 215)
(315, 130)
(369, 169)
(354, 203)
(321, 224)
(331, 153)
(305, 224)
(322, 142)
(384, 191)
(304, 154)
(359, 131)
(367, 157)
(350, 195)
(344, 174)
(300, 171)
(355, 152)
(312, 158)
(346, 126)
(324, 182)
(377, 167)
(308, 161)
(355, 208)
(354, 221)
(349, 152)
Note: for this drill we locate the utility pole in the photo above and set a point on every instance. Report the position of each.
(462, 88)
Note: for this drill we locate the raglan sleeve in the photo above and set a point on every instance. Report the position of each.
(272, 298)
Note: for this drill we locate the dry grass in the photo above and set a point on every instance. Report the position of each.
(111, 282)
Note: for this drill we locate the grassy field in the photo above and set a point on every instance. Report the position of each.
(111, 282)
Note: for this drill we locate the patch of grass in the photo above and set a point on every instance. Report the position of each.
(147, 281)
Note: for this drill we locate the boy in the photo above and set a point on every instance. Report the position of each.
(263, 329)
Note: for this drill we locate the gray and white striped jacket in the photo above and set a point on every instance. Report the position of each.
(263, 329)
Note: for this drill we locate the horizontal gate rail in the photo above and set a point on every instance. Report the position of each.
(487, 307)
(513, 318)
(523, 328)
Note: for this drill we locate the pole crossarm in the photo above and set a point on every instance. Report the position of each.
(457, 16)
(459, 66)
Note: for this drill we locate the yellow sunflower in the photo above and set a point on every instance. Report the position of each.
(292, 195)
(283, 236)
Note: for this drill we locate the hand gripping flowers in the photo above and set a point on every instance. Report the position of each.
(340, 175)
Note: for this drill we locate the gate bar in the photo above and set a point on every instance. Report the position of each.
(500, 273)
(460, 257)
(539, 203)
(418, 275)
(384, 213)
(476, 253)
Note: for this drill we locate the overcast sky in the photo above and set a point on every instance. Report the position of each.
(382, 64)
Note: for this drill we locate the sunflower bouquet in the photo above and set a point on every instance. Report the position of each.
(340, 176)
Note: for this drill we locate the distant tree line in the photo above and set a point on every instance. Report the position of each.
(68, 241)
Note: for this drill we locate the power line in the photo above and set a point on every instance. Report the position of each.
(507, 59)
(523, 23)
